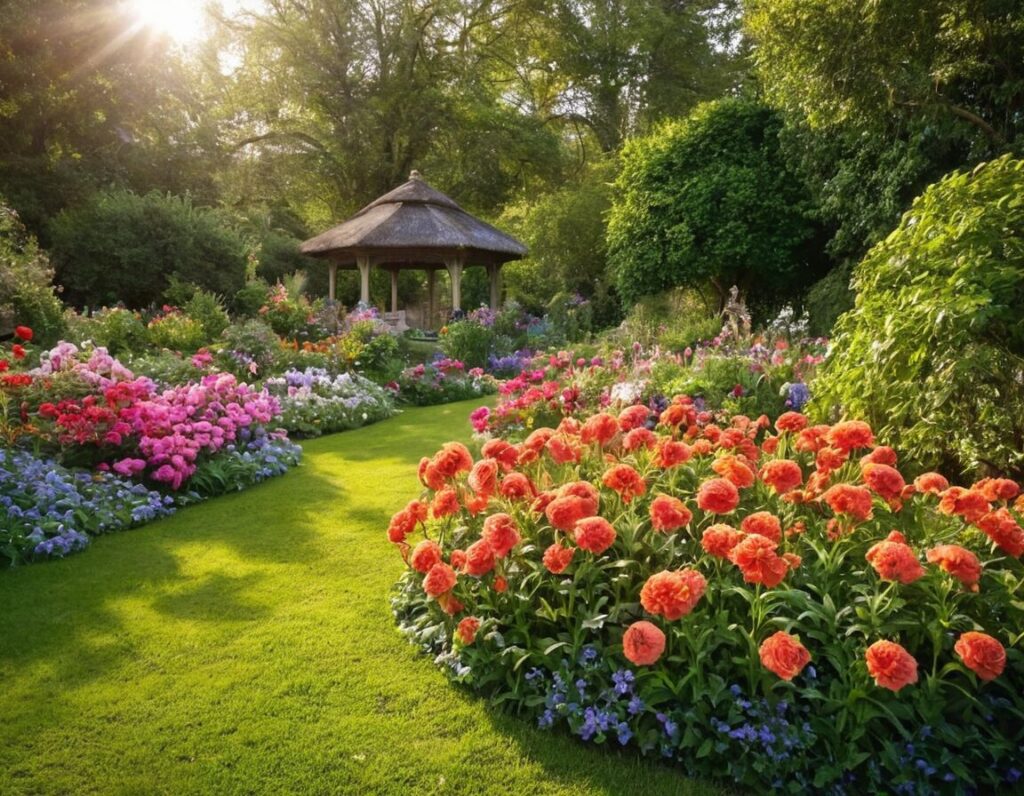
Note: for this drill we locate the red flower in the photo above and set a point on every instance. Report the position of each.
(483, 478)
(958, 561)
(673, 593)
(669, 514)
(811, 439)
(452, 459)
(967, 503)
(558, 558)
(425, 555)
(995, 489)
(853, 501)
(718, 496)
(764, 523)
(564, 512)
(719, 540)
(457, 559)
(633, 417)
(639, 438)
(445, 503)
(595, 534)
(563, 450)
(467, 629)
(893, 559)
(890, 665)
(449, 603)
(756, 557)
(883, 454)
(782, 475)
(671, 453)
(500, 585)
(23, 333)
(850, 435)
(1002, 528)
(506, 454)
(584, 490)
(931, 482)
(502, 533)
(784, 655)
(732, 469)
(418, 510)
(643, 643)
(600, 428)
(982, 654)
(479, 558)
(516, 486)
(439, 580)
(17, 351)
(626, 481)
(4, 365)
(884, 480)
(402, 524)
(790, 421)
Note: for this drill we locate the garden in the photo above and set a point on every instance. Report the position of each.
(677, 447)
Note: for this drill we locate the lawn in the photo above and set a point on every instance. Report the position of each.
(246, 646)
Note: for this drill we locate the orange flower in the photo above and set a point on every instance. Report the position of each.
(931, 482)
(764, 523)
(673, 593)
(967, 503)
(449, 603)
(600, 428)
(890, 665)
(782, 475)
(995, 489)
(829, 459)
(563, 450)
(770, 445)
(479, 558)
(633, 417)
(958, 561)
(439, 580)
(502, 533)
(483, 478)
(893, 559)
(732, 469)
(677, 415)
(425, 555)
(719, 540)
(402, 524)
(883, 479)
(457, 559)
(538, 439)
(702, 447)
(595, 534)
(452, 459)
(718, 496)
(756, 557)
(557, 558)
(982, 654)
(811, 439)
(500, 585)
(669, 514)
(851, 434)
(853, 501)
(516, 486)
(883, 454)
(502, 452)
(791, 421)
(639, 438)
(584, 490)
(429, 475)
(418, 510)
(569, 426)
(784, 655)
(643, 643)
(626, 481)
(1002, 528)
(467, 629)
(564, 512)
(671, 453)
(793, 561)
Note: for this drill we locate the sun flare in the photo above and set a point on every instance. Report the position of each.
(181, 20)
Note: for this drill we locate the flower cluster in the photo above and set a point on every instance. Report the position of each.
(441, 380)
(313, 402)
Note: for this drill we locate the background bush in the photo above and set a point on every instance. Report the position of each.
(27, 294)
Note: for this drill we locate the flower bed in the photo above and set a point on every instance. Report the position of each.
(313, 402)
(777, 606)
(441, 381)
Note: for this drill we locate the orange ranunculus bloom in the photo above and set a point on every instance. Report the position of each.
(793, 561)
(811, 439)
(425, 555)
(457, 559)
(784, 655)
(467, 629)
(452, 459)
(882, 454)
(402, 524)
(429, 475)
(671, 453)
(626, 481)
(1003, 529)
(639, 438)
(563, 450)
(500, 584)
(542, 501)
(718, 496)
(719, 540)
(893, 559)
(770, 445)
(585, 490)
(829, 459)
(483, 478)
(479, 558)
(418, 510)
(449, 603)
(516, 486)
(669, 514)
(557, 558)
(933, 483)
(564, 512)
(502, 452)
(850, 435)
(883, 479)
(967, 503)
(600, 428)
(677, 415)
(996, 489)
(853, 501)
(476, 503)
(538, 439)
(791, 421)
(764, 523)
(673, 593)
(890, 665)
(782, 475)
(633, 417)
(643, 643)
(982, 654)
(756, 557)
(958, 561)
(502, 533)
(702, 447)
(440, 579)
(732, 469)
(595, 534)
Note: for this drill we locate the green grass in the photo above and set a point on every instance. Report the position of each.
(246, 646)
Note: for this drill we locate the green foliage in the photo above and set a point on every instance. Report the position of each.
(119, 330)
(674, 320)
(932, 352)
(468, 341)
(249, 349)
(828, 298)
(208, 309)
(709, 200)
(122, 247)
(177, 331)
(248, 300)
(27, 296)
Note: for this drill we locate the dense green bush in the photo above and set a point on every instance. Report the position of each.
(710, 200)
(208, 310)
(177, 332)
(119, 330)
(249, 349)
(123, 247)
(468, 341)
(250, 297)
(933, 352)
(27, 294)
(827, 299)
(675, 320)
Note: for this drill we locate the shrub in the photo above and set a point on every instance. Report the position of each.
(778, 608)
(248, 300)
(674, 320)
(27, 295)
(208, 309)
(249, 348)
(117, 329)
(122, 247)
(828, 298)
(175, 330)
(313, 402)
(470, 340)
(442, 381)
(933, 352)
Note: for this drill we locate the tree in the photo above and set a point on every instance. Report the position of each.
(710, 200)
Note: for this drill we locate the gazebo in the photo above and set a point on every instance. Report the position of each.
(415, 226)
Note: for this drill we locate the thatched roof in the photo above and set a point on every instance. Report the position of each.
(414, 223)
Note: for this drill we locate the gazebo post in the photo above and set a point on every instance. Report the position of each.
(394, 291)
(431, 303)
(363, 263)
(494, 272)
(332, 281)
(454, 266)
